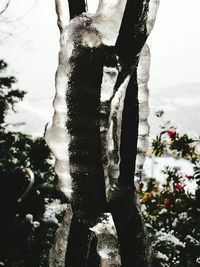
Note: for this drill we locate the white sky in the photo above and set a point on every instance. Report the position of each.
(32, 54)
(175, 43)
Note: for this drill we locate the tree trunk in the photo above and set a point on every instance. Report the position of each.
(95, 130)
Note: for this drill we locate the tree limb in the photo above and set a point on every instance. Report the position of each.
(76, 7)
(132, 36)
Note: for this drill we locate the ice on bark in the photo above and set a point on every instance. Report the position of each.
(108, 82)
(58, 251)
(63, 15)
(115, 109)
(114, 131)
(107, 90)
(113, 103)
(107, 245)
(93, 31)
(107, 19)
(78, 32)
(151, 15)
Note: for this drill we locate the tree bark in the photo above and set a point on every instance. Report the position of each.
(76, 7)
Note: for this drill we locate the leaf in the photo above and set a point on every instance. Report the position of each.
(159, 113)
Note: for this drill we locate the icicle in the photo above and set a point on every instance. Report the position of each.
(151, 16)
(107, 90)
(78, 31)
(143, 97)
(114, 132)
(143, 91)
(57, 136)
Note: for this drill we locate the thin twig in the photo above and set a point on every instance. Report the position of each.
(5, 8)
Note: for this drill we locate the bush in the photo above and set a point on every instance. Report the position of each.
(27, 186)
(171, 211)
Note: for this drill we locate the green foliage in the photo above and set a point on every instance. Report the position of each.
(171, 212)
(159, 145)
(170, 142)
(27, 185)
(9, 95)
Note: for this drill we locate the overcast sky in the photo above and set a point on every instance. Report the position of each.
(32, 52)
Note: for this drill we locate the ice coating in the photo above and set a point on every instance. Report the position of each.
(113, 103)
(83, 29)
(113, 138)
(107, 245)
(109, 15)
(93, 31)
(107, 19)
(143, 92)
(107, 90)
(63, 15)
(57, 252)
(143, 96)
(114, 131)
(92, 35)
(57, 136)
(78, 31)
(108, 82)
(151, 15)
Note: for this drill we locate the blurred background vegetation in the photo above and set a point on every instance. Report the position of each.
(28, 184)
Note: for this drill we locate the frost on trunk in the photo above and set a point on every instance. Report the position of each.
(57, 253)
(99, 132)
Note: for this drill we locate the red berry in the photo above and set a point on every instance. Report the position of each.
(167, 202)
(178, 187)
(171, 133)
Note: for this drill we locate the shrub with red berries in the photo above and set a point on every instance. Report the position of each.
(171, 209)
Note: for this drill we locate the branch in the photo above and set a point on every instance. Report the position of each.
(133, 33)
(132, 37)
(5, 8)
(76, 7)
